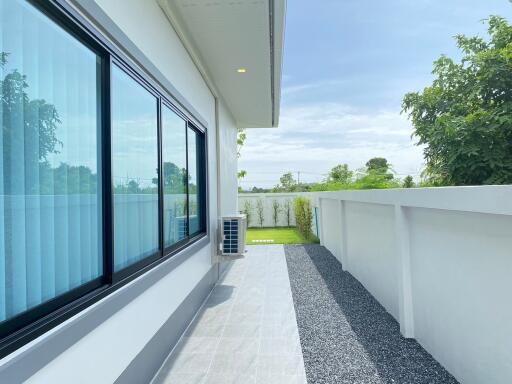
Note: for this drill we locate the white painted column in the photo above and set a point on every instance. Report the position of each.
(343, 233)
(320, 222)
(405, 303)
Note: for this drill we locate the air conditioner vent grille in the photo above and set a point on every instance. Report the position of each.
(233, 235)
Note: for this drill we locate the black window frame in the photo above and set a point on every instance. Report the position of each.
(182, 242)
(132, 268)
(201, 178)
(26, 326)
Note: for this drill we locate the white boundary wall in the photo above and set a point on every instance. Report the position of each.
(440, 261)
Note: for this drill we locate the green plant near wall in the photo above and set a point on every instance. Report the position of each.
(260, 212)
(276, 209)
(303, 215)
(287, 208)
(247, 211)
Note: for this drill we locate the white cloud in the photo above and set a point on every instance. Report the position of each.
(300, 88)
(314, 138)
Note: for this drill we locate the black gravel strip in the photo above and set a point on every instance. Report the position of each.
(346, 335)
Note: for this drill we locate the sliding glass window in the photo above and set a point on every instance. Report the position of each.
(50, 203)
(80, 170)
(174, 155)
(134, 170)
(196, 181)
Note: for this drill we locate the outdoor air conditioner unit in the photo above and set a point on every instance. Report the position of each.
(233, 231)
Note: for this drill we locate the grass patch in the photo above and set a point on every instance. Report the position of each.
(286, 235)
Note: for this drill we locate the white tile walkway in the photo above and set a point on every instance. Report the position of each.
(246, 333)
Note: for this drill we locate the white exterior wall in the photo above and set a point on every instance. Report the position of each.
(228, 162)
(103, 354)
(462, 285)
(439, 260)
(330, 215)
(371, 251)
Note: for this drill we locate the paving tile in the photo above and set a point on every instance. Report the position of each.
(246, 333)
(231, 363)
(251, 309)
(279, 319)
(200, 329)
(181, 378)
(230, 378)
(190, 363)
(281, 379)
(240, 317)
(276, 330)
(238, 346)
(197, 345)
(242, 330)
(279, 346)
(211, 317)
(289, 365)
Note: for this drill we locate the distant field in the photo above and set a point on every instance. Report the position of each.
(262, 236)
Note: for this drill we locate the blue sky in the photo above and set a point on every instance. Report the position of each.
(347, 65)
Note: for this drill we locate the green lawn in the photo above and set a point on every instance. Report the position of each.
(262, 236)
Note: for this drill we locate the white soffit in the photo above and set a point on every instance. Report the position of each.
(224, 36)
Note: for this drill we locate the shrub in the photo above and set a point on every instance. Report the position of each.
(276, 208)
(260, 212)
(303, 215)
(247, 211)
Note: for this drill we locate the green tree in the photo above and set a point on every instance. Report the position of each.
(276, 209)
(247, 211)
(287, 183)
(260, 211)
(408, 182)
(374, 179)
(240, 141)
(240, 175)
(376, 175)
(340, 174)
(303, 215)
(378, 164)
(288, 212)
(464, 118)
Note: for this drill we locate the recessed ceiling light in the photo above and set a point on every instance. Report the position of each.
(241, 70)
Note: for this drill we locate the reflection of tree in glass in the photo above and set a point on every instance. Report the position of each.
(27, 124)
(66, 179)
(175, 178)
(31, 125)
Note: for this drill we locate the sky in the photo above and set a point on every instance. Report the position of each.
(347, 65)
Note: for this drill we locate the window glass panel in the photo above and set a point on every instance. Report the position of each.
(174, 155)
(134, 169)
(50, 207)
(195, 186)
